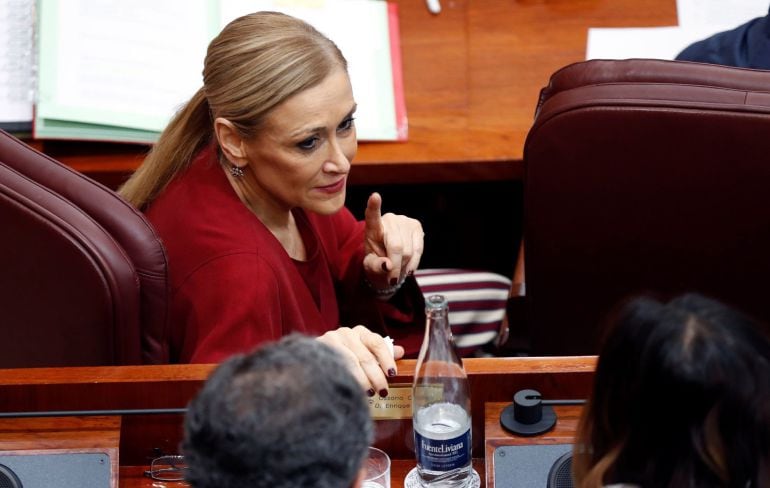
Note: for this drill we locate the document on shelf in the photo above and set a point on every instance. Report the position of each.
(641, 42)
(17, 87)
(698, 19)
(116, 70)
(718, 15)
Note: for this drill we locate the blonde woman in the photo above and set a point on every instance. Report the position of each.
(246, 187)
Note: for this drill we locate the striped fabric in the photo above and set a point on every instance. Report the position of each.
(476, 303)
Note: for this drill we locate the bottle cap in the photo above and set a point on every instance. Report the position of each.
(435, 302)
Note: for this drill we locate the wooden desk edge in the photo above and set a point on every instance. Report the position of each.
(199, 372)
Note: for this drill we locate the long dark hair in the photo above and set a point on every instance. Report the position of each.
(681, 399)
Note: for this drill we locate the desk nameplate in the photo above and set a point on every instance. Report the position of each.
(396, 406)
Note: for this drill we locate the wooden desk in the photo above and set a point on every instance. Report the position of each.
(133, 477)
(143, 437)
(495, 436)
(36, 437)
(472, 77)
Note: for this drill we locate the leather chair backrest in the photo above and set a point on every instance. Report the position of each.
(644, 176)
(68, 291)
(121, 223)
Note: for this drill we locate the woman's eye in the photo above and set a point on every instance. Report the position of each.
(308, 143)
(346, 124)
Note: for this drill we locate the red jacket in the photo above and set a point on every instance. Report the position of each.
(233, 285)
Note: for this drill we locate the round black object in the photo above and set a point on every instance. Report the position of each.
(528, 407)
(560, 474)
(8, 478)
(527, 415)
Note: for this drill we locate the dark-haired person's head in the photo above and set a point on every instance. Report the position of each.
(290, 414)
(681, 399)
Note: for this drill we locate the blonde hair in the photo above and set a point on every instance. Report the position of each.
(256, 63)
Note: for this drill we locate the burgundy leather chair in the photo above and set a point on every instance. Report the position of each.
(644, 176)
(83, 278)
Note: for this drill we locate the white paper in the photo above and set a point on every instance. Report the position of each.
(132, 64)
(112, 62)
(718, 15)
(17, 81)
(698, 19)
(642, 42)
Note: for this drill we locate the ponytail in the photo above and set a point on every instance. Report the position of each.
(189, 131)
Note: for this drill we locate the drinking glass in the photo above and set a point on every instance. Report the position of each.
(167, 468)
(376, 469)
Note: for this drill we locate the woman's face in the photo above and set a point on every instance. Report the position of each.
(302, 153)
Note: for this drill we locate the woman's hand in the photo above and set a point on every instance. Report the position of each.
(367, 355)
(393, 245)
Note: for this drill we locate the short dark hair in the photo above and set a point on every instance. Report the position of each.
(290, 414)
(681, 398)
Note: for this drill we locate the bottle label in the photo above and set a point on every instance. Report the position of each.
(443, 454)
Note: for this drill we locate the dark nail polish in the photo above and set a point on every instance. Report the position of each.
(385, 267)
(383, 393)
(411, 272)
(393, 281)
(370, 392)
(392, 372)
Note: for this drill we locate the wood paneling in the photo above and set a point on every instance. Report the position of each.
(143, 437)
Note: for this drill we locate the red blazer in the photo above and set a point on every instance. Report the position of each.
(233, 285)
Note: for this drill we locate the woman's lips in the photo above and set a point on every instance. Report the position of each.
(334, 187)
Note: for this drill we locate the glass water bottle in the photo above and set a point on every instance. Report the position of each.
(441, 407)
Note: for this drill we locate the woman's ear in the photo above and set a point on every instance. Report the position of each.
(230, 141)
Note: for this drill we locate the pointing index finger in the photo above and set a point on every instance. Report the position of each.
(373, 214)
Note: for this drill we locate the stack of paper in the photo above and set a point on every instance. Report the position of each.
(17, 80)
(116, 70)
